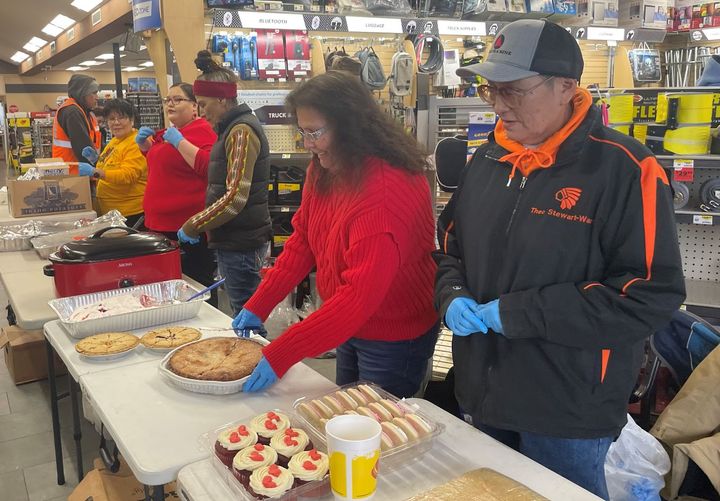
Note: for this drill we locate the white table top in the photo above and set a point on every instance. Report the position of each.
(157, 426)
(64, 344)
(5, 216)
(459, 449)
(27, 260)
(29, 292)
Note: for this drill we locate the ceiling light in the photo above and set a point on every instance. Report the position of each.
(52, 30)
(142, 47)
(31, 47)
(122, 48)
(132, 68)
(147, 64)
(62, 21)
(76, 68)
(19, 57)
(86, 5)
(92, 63)
(107, 56)
(38, 41)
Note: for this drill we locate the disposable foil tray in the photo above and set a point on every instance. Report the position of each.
(173, 307)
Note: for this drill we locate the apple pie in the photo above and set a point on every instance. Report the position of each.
(109, 343)
(216, 359)
(169, 337)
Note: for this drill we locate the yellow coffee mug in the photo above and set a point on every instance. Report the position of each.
(354, 451)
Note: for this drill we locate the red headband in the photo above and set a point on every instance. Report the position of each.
(226, 90)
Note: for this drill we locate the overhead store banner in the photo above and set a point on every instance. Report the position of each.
(461, 28)
(263, 20)
(146, 15)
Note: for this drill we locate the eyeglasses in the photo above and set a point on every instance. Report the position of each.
(116, 119)
(175, 100)
(511, 96)
(312, 135)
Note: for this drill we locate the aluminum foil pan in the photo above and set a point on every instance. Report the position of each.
(16, 237)
(171, 296)
(60, 233)
(202, 386)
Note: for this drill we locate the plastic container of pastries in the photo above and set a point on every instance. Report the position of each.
(407, 432)
(311, 467)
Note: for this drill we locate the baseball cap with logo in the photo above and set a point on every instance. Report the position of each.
(526, 48)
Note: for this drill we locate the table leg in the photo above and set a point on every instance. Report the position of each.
(158, 493)
(77, 433)
(55, 413)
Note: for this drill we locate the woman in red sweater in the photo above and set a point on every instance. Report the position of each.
(366, 222)
(177, 159)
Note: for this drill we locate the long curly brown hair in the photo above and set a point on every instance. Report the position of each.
(360, 128)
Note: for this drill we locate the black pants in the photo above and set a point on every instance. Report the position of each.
(197, 261)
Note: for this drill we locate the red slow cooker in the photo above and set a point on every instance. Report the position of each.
(119, 259)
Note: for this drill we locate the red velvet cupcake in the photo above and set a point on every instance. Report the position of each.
(290, 442)
(270, 482)
(250, 459)
(230, 441)
(266, 425)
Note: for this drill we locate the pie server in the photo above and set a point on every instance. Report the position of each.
(207, 289)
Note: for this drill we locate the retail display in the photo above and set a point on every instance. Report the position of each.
(149, 108)
(271, 55)
(434, 60)
(297, 52)
(216, 359)
(169, 337)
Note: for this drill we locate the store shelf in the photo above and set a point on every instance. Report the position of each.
(290, 156)
(699, 161)
(702, 293)
(697, 217)
(283, 208)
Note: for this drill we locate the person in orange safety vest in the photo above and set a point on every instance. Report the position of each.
(75, 127)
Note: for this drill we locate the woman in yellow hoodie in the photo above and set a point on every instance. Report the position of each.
(121, 169)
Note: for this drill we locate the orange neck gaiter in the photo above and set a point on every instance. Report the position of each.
(544, 156)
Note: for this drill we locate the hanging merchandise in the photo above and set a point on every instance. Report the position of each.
(684, 140)
(388, 7)
(432, 43)
(402, 72)
(219, 44)
(620, 112)
(248, 57)
(645, 64)
(297, 50)
(681, 194)
(271, 55)
(342, 61)
(710, 195)
(690, 108)
(451, 62)
(371, 70)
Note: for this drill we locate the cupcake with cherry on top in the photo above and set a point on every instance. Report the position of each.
(232, 440)
(250, 459)
(308, 466)
(270, 482)
(290, 442)
(268, 424)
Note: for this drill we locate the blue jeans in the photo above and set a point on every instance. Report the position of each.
(580, 460)
(399, 367)
(241, 270)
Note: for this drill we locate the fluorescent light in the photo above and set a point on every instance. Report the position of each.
(122, 48)
(52, 30)
(31, 47)
(63, 22)
(86, 5)
(132, 68)
(147, 64)
(19, 57)
(92, 63)
(107, 56)
(142, 47)
(38, 41)
(76, 68)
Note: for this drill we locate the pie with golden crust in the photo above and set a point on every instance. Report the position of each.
(108, 343)
(170, 337)
(216, 359)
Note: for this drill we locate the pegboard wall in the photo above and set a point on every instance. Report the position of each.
(700, 251)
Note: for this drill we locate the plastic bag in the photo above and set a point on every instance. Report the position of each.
(635, 465)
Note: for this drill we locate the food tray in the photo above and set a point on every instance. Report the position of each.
(16, 237)
(396, 456)
(202, 386)
(172, 292)
(316, 489)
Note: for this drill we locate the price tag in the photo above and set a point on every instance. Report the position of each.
(683, 170)
(702, 219)
(287, 209)
(286, 155)
(299, 6)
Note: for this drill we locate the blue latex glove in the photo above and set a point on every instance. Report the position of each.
(183, 238)
(90, 154)
(462, 317)
(246, 321)
(262, 377)
(490, 315)
(143, 134)
(173, 136)
(85, 169)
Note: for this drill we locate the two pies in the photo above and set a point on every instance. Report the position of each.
(216, 359)
(109, 343)
(170, 337)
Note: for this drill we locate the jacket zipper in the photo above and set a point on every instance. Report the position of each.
(517, 204)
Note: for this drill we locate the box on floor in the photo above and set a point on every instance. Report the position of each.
(26, 356)
(101, 484)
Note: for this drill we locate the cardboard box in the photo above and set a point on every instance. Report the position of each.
(49, 195)
(26, 355)
(101, 484)
(48, 167)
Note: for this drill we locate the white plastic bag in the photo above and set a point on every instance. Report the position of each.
(635, 465)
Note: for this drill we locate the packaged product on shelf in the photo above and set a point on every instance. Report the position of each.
(297, 51)
(271, 55)
(599, 12)
(644, 14)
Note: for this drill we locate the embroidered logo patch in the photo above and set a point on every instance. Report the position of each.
(568, 197)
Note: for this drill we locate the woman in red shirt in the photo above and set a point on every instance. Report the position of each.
(177, 159)
(366, 222)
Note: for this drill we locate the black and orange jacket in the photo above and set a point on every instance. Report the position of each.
(584, 257)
